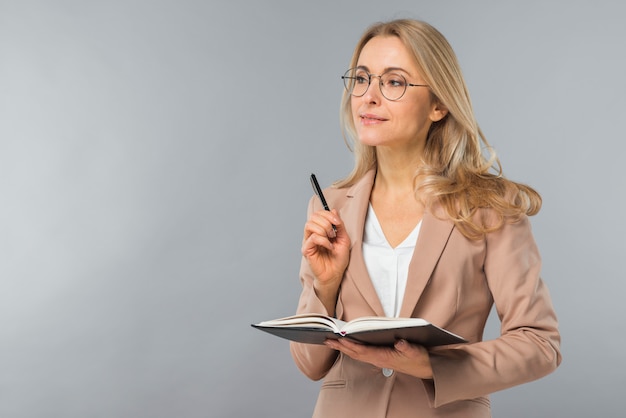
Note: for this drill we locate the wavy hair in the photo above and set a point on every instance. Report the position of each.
(460, 171)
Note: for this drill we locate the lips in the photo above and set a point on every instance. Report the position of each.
(371, 117)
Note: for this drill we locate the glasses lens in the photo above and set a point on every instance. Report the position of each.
(356, 81)
(392, 85)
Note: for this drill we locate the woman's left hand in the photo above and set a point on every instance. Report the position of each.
(403, 357)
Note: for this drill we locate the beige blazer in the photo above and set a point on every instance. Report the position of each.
(453, 282)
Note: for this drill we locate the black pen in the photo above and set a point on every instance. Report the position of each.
(318, 192)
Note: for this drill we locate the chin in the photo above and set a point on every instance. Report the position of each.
(372, 140)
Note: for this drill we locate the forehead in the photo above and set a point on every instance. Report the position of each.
(381, 52)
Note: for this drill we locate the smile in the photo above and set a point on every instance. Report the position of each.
(370, 119)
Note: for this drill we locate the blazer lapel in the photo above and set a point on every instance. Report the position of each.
(431, 241)
(355, 210)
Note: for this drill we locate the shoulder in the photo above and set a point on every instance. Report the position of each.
(339, 196)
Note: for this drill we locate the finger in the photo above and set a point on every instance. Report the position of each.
(354, 349)
(353, 345)
(314, 227)
(402, 346)
(312, 244)
(329, 216)
(335, 223)
(343, 344)
(336, 219)
(328, 221)
(409, 350)
(336, 345)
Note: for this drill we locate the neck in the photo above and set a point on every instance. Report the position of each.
(396, 168)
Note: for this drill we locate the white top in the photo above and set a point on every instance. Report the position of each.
(388, 267)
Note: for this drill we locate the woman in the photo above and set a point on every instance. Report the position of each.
(425, 227)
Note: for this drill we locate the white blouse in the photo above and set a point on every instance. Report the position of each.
(388, 267)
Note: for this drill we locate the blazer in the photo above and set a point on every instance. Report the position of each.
(453, 282)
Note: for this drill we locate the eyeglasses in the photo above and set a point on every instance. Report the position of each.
(392, 85)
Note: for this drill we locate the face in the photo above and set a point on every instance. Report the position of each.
(401, 123)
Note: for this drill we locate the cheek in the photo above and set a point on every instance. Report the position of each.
(418, 116)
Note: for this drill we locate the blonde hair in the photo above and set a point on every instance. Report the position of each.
(455, 172)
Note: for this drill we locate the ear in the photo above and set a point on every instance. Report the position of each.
(438, 111)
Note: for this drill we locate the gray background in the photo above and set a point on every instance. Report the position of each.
(154, 162)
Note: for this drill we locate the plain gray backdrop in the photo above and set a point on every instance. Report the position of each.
(154, 163)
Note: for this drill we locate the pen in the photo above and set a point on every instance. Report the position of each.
(318, 192)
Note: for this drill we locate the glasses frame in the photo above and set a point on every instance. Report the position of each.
(346, 77)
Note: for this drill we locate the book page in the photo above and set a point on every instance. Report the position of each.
(379, 322)
(306, 320)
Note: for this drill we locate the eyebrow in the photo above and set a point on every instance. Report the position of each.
(385, 70)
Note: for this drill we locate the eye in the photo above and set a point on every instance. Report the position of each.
(361, 77)
(394, 81)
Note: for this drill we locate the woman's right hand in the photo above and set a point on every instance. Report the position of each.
(327, 253)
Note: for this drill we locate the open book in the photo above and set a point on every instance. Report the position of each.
(374, 330)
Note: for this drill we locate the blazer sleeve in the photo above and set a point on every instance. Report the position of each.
(313, 360)
(529, 345)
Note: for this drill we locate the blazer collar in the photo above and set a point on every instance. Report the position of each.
(433, 237)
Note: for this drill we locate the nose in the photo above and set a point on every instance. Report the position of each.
(373, 93)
